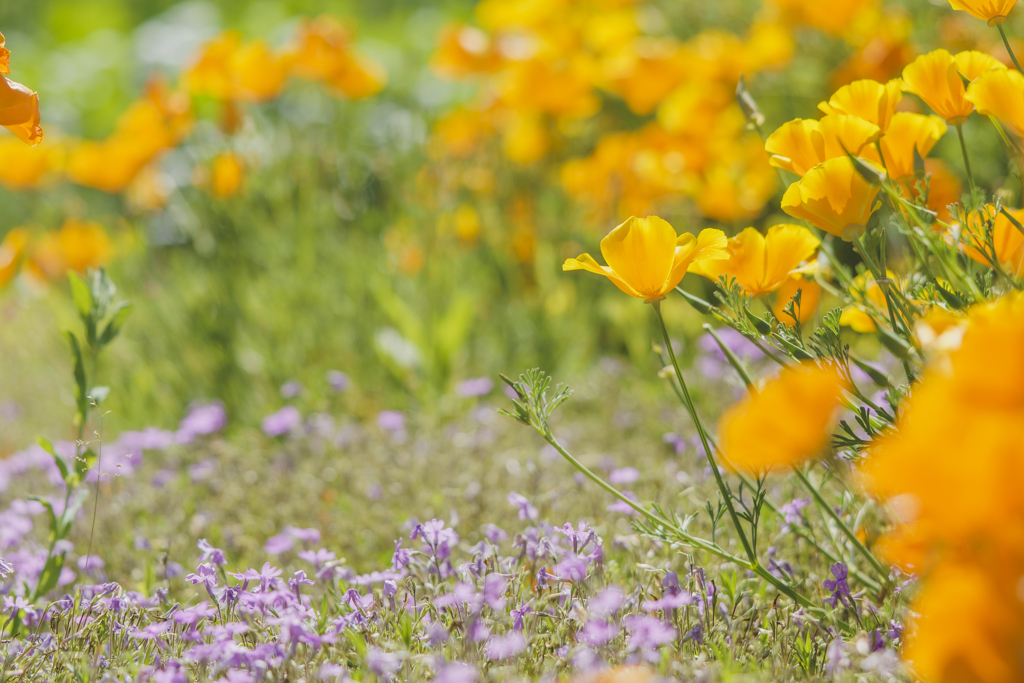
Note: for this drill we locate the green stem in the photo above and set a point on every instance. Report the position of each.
(963, 150)
(692, 540)
(688, 402)
(1009, 50)
(880, 569)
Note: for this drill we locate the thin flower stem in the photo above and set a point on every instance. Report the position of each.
(879, 568)
(692, 540)
(688, 402)
(963, 150)
(734, 361)
(1009, 50)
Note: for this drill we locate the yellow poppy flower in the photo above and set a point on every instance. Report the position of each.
(868, 100)
(12, 248)
(149, 126)
(810, 295)
(788, 421)
(19, 111)
(800, 145)
(992, 11)
(906, 132)
(1007, 240)
(5, 57)
(23, 167)
(227, 69)
(78, 245)
(870, 295)
(646, 259)
(227, 174)
(325, 53)
(960, 522)
(1000, 93)
(834, 197)
(760, 263)
(464, 51)
(937, 78)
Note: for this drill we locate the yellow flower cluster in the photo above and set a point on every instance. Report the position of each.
(951, 472)
(77, 246)
(543, 67)
(227, 69)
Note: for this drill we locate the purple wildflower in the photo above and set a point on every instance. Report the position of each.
(526, 508)
(518, 614)
(495, 534)
(647, 634)
(495, 586)
(623, 475)
(677, 442)
(282, 422)
(211, 554)
(391, 420)
(337, 380)
(504, 647)
(622, 506)
(383, 664)
(279, 544)
(291, 389)
(473, 388)
(457, 673)
(598, 632)
(607, 602)
(791, 512)
(839, 587)
(206, 575)
(202, 418)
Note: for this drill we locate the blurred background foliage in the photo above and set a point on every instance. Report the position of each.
(352, 244)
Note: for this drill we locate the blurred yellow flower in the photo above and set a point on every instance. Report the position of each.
(460, 132)
(834, 197)
(467, 223)
(906, 132)
(227, 69)
(325, 53)
(1007, 242)
(77, 246)
(761, 263)
(5, 56)
(646, 259)
(525, 138)
(868, 293)
(835, 18)
(463, 51)
(787, 422)
(960, 523)
(23, 167)
(802, 144)
(810, 295)
(156, 122)
(1000, 93)
(12, 248)
(227, 174)
(937, 78)
(992, 11)
(19, 111)
(868, 100)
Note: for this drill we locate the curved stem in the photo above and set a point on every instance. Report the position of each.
(688, 402)
(963, 150)
(1009, 50)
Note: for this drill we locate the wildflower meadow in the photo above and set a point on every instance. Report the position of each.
(301, 382)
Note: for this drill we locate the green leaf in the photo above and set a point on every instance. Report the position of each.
(80, 384)
(53, 515)
(81, 294)
(50, 575)
(47, 446)
(113, 328)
